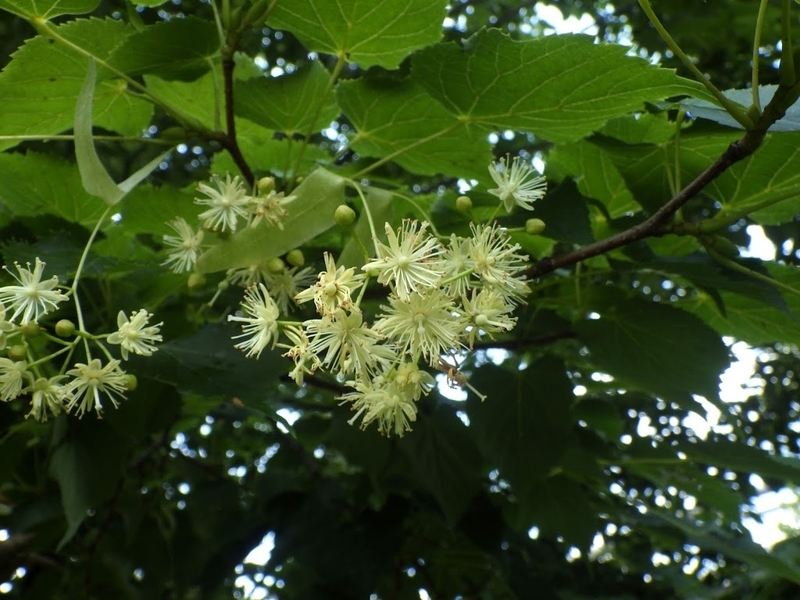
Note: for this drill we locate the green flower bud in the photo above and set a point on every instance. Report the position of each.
(276, 265)
(223, 285)
(344, 216)
(30, 329)
(196, 280)
(65, 328)
(534, 226)
(295, 258)
(463, 204)
(266, 185)
(131, 383)
(18, 352)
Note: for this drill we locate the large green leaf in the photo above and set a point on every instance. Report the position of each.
(656, 348)
(147, 209)
(381, 209)
(177, 49)
(399, 119)
(771, 175)
(525, 424)
(87, 466)
(706, 110)
(560, 508)
(445, 459)
(38, 89)
(560, 87)
(37, 184)
(368, 32)
(294, 103)
(33, 9)
(310, 214)
(596, 175)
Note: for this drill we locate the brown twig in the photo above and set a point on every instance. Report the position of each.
(655, 225)
(228, 139)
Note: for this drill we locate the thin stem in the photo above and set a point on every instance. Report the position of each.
(416, 205)
(677, 161)
(231, 144)
(762, 9)
(372, 229)
(733, 109)
(74, 287)
(788, 74)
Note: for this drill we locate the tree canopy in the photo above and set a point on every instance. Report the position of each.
(425, 297)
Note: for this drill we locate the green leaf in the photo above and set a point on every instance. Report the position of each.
(559, 507)
(206, 363)
(399, 119)
(310, 214)
(87, 466)
(742, 458)
(96, 180)
(706, 110)
(39, 87)
(35, 10)
(290, 103)
(560, 87)
(368, 32)
(566, 215)
(147, 209)
(713, 538)
(770, 176)
(381, 208)
(596, 175)
(445, 460)
(26, 192)
(180, 49)
(645, 128)
(656, 348)
(525, 424)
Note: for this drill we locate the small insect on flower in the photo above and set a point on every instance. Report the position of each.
(455, 378)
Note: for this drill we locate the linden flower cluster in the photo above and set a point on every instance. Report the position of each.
(443, 297)
(51, 389)
(228, 205)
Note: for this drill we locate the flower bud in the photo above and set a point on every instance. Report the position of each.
(295, 258)
(65, 328)
(223, 285)
(463, 204)
(276, 265)
(344, 216)
(266, 185)
(196, 280)
(131, 383)
(534, 226)
(30, 329)
(18, 352)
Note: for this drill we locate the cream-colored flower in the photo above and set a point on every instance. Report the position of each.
(515, 185)
(13, 377)
(305, 360)
(285, 285)
(90, 380)
(134, 336)
(349, 347)
(228, 201)
(457, 267)
(47, 396)
(488, 312)
(270, 209)
(384, 402)
(334, 288)
(422, 325)
(33, 297)
(408, 264)
(261, 322)
(184, 247)
(497, 262)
